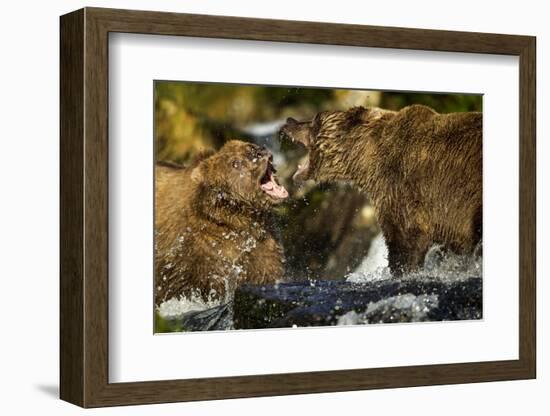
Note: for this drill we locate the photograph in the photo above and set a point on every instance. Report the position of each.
(290, 206)
(276, 202)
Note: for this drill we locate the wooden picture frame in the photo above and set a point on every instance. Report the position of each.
(84, 207)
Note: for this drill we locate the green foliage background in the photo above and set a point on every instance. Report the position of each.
(190, 116)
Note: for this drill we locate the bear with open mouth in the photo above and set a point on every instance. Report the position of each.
(421, 170)
(213, 225)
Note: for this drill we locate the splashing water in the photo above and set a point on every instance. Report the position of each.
(437, 264)
(177, 307)
(407, 307)
(375, 265)
(263, 134)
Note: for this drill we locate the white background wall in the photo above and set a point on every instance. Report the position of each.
(29, 127)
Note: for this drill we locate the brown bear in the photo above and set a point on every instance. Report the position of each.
(421, 170)
(213, 228)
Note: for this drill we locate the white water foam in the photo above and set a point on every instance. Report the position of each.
(437, 264)
(176, 307)
(416, 306)
(375, 265)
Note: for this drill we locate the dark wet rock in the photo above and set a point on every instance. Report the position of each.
(217, 318)
(318, 303)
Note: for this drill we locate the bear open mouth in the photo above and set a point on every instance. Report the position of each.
(297, 133)
(269, 184)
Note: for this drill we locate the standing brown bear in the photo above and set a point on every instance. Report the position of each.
(421, 170)
(213, 227)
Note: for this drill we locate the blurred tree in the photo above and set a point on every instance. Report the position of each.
(442, 103)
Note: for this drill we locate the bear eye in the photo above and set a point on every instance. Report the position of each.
(236, 164)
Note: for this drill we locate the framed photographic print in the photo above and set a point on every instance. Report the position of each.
(257, 207)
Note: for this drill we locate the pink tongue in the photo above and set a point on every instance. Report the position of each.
(274, 189)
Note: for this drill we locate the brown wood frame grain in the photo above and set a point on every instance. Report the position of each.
(84, 207)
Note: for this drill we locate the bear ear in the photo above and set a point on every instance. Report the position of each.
(197, 166)
(202, 155)
(197, 174)
(356, 115)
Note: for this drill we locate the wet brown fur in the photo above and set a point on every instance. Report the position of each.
(421, 170)
(213, 228)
